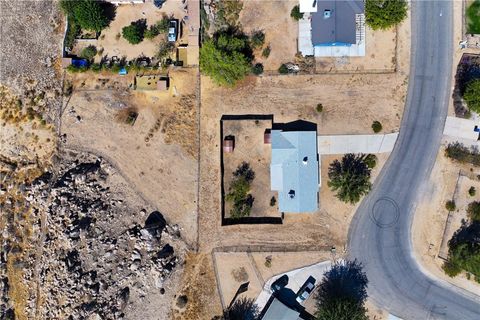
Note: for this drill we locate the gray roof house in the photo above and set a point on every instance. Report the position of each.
(276, 310)
(294, 170)
(334, 22)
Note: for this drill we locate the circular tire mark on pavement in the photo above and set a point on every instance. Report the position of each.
(385, 212)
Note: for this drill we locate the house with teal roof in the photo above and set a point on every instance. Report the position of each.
(294, 170)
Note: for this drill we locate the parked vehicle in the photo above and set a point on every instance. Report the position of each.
(280, 283)
(306, 290)
(172, 31)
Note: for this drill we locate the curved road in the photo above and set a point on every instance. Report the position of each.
(380, 235)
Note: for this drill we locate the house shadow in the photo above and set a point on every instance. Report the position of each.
(297, 125)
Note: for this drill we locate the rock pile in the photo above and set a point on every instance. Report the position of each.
(97, 250)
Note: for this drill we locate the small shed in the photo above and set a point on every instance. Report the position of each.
(228, 144)
(267, 137)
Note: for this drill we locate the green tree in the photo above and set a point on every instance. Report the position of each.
(350, 177)
(89, 14)
(473, 211)
(226, 58)
(472, 95)
(89, 52)
(295, 13)
(135, 31)
(342, 293)
(384, 14)
(464, 251)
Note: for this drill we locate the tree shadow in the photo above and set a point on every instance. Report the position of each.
(109, 9)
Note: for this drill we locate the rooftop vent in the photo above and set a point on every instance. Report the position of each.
(291, 194)
(305, 160)
(327, 14)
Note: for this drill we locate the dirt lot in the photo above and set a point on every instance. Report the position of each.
(430, 219)
(281, 31)
(157, 154)
(249, 147)
(114, 45)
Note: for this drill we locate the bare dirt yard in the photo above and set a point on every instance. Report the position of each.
(249, 148)
(281, 31)
(157, 155)
(446, 183)
(113, 44)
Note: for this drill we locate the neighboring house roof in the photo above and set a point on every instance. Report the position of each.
(294, 170)
(278, 311)
(334, 22)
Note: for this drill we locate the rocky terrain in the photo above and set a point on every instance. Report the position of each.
(96, 247)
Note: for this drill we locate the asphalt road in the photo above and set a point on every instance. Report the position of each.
(380, 235)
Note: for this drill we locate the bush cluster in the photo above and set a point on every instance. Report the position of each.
(457, 151)
(238, 192)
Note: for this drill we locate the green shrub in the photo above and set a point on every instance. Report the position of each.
(451, 269)
(377, 126)
(73, 32)
(472, 95)
(295, 13)
(382, 14)
(257, 39)
(450, 205)
(283, 69)
(73, 69)
(89, 52)
(273, 201)
(371, 160)
(152, 32)
(134, 33)
(96, 67)
(472, 191)
(89, 14)
(238, 192)
(319, 107)
(162, 25)
(473, 18)
(266, 52)
(462, 154)
(257, 69)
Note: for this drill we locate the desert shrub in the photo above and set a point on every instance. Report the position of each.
(473, 211)
(462, 154)
(384, 14)
(350, 177)
(319, 107)
(162, 25)
(226, 57)
(238, 192)
(134, 33)
(451, 269)
(283, 69)
(450, 205)
(273, 201)
(472, 191)
(152, 32)
(257, 39)
(73, 69)
(96, 67)
(89, 52)
(472, 95)
(228, 13)
(257, 69)
(165, 48)
(266, 52)
(377, 126)
(371, 160)
(268, 261)
(295, 13)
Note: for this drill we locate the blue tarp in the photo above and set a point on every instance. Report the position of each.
(79, 63)
(122, 72)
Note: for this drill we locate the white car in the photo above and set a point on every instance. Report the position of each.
(172, 31)
(305, 292)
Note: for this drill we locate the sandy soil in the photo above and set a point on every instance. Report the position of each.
(281, 31)
(157, 154)
(249, 147)
(431, 216)
(127, 13)
(381, 53)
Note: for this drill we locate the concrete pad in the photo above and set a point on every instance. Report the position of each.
(461, 128)
(296, 278)
(341, 144)
(305, 45)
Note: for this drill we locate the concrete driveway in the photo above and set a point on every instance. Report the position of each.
(361, 143)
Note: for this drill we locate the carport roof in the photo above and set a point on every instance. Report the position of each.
(340, 27)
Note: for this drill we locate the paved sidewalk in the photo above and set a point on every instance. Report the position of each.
(368, 143)
(461, 130)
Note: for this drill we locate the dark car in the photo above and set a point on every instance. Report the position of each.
(306, 290)
(280, 283)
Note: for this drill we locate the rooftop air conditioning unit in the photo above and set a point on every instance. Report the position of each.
(327, 14)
